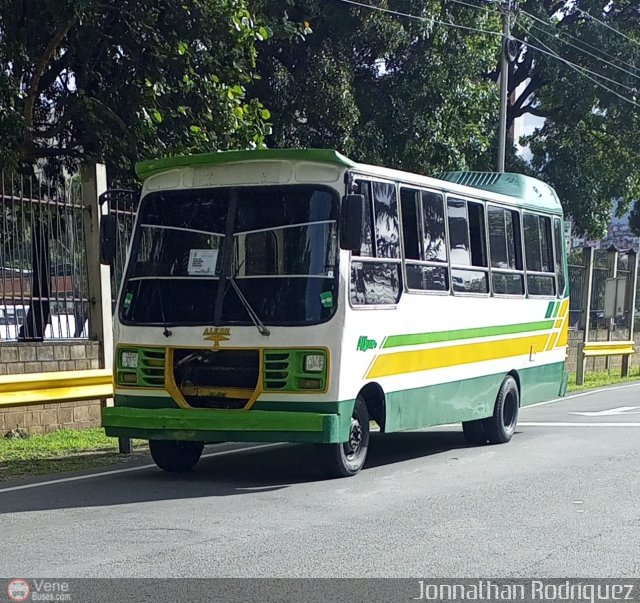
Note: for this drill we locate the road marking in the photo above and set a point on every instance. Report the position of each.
(621, 410)
(128, 469)
(577, 424)
(581, 394)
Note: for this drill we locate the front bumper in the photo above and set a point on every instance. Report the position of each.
(210, 425)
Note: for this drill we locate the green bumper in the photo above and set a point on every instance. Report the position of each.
(208, 425)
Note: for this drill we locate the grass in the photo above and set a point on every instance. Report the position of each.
(60, 451)
(594, 379)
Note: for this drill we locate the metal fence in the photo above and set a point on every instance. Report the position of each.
(43, 266)
(601, 272)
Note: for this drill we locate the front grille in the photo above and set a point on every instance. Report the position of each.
(276, 369)
(151, 368)
(216, 379)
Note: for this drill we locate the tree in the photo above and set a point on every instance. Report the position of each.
(407, 93)
(587, 148)
(117, 80)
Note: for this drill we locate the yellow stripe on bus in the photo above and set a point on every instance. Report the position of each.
(413, 361)
(564, 333)
(554, 340)
(563, 309)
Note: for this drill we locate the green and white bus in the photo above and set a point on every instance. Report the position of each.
(298, 296)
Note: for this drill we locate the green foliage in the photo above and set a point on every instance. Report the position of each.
(400, 92)
(122, 81)
(587, 148)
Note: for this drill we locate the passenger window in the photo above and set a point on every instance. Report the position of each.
(468, 246)
(376, 280)
(539, 255)
(385, 210)
(435, 244)
(366, 249)
(559, 240)
(410, 223)
(425, 244)
(507, 274)
(459, 232)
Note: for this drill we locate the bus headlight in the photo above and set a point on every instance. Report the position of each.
(314, 363)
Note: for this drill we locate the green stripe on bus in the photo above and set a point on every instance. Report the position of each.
(550, 309)
(395, 341)
(556, 309)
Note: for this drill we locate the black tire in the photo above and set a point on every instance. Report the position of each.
(174, 456)
(474, 432)
(345, 460)
(502, 425)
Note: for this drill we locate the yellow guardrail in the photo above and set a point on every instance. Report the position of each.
(46, 388)
(608, 348)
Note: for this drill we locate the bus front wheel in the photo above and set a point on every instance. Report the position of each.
(502, 425)
(174, 456)
(345, 460)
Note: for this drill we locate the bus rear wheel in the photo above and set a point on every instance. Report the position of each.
(502, 425)
(174, 456)
(345, 460)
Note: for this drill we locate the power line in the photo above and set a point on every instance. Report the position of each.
(419, 18)
(604, 77)
(580, 70)
(586, 14)
(548, 33)
(549, 52)
(559, 33)
(483, 8)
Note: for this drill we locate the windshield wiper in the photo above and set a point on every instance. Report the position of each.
(247, 306)
(166, 331)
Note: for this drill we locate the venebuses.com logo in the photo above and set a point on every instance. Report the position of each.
(18, 590)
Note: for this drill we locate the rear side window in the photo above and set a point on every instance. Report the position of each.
(558, 233)
(539, 255)
(507, 271)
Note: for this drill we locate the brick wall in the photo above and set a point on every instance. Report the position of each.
(45, 357)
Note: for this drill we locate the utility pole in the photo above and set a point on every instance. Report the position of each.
(508, 8)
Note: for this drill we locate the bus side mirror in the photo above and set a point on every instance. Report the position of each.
(351, 219)
(108, 229)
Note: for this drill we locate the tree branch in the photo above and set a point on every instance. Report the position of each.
(32, 93)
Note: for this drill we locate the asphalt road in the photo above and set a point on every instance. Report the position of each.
(562, 499)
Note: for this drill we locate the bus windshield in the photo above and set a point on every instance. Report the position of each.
(283, 257)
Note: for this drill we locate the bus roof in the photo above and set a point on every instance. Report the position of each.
(527, 190)
(144, 169)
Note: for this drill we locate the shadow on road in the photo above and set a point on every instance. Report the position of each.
(230, 475)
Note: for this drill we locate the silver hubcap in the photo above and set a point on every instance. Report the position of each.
(352, 447)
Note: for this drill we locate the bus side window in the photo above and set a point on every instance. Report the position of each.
(507, 273)
(385, 209)
(375, 271)
(539, 255)
(468, 246)
(410, 223)
(363, 187)
(425, 245)
(558, 233)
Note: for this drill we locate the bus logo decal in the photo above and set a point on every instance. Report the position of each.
(364, 344)
(217, 334)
